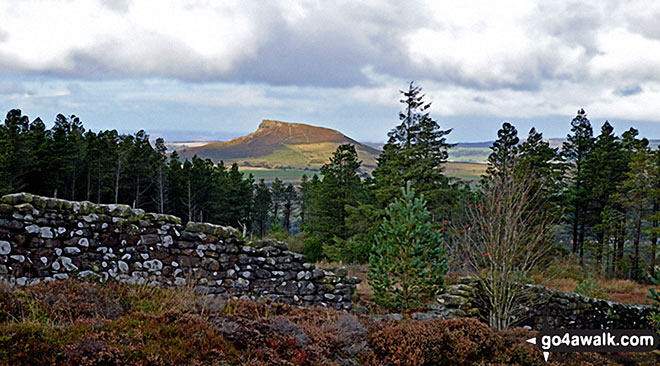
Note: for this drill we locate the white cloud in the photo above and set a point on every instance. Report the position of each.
(310, 58)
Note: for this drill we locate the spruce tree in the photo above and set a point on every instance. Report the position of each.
(605, 169)
(339, 187)
(277, 193)
(416, 151)
(541, 164)
(289, 198)
(653, 216)
(576, 151)
(408, 263)
(16, 156)
(504, 152)
(635, 193)
(261, 207)
(160, 175)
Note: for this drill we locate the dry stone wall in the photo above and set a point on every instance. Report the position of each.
(547, 307)
(46, 239)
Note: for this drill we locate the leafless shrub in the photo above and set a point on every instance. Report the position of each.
(506, 235)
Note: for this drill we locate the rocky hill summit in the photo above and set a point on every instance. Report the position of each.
(277, 144)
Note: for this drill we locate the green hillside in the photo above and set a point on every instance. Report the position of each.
(282, 145)
(289, 150)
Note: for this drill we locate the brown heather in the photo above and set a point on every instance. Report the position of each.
(84, 324)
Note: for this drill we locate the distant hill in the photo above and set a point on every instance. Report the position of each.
(282, 145)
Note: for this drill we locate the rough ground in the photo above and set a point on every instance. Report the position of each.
(79, 323)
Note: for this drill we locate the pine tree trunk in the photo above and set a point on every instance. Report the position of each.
(654, 248)
(635, 261)
(610, 259)
(136, 202)
(89, 184)
(98, 185)
(575, 232)
(73, 184)
(581, 240)
(599, 252)
(620, 241)
(117, 175)
(287, 217)
(189, 202)
(161, 205)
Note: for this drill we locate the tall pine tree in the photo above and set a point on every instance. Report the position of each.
(416, 151)
(576, 151)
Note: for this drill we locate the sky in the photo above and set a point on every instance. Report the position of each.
(212, 70)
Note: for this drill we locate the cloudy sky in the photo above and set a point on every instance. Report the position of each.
(215, 69)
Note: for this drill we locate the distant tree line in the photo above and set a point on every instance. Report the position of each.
(68, 161)
(606, 186)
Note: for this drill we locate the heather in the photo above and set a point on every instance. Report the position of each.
(80, 323)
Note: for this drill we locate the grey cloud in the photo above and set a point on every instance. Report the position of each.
(573, 23)
(643, 22)
(163, 57)
(628, 91)
(332, 46)
(4, 35)
(335, 42)
(329, 48)
(119, 6)
(479, 99)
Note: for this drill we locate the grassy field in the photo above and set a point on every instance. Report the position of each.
(469, 154)
(462, 170)
(465, 170)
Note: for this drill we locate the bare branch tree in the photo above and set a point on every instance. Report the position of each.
(506, 236)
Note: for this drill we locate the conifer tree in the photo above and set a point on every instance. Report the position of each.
(504, 152)
(277, 193)
(605, 169)
(653, 216)
(635, 194)
(304, 202)
(542, 163)
(160, 162)
(576, 151)
(289, 198)
(416, 151)
(339, 187)
(408, 263)
(261, 204)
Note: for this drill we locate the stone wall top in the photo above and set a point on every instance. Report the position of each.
(545, 306)
(26, 203)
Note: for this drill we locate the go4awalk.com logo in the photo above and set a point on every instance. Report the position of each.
(595, 340)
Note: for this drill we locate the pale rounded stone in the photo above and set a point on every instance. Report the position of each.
(5, 247)
(46, 233)
(32, 229)
(153, 265)
(123, 266)
(71, 250)
(68, 264)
